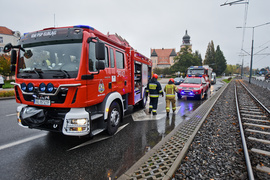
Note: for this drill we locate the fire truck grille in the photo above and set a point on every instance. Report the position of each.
(58, 98)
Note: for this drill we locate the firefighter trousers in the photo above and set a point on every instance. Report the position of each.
(170, 100)
(153, 104)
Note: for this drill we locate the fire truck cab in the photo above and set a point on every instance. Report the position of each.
(201, 71)
(76, 80)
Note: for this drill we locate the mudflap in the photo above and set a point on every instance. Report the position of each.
(32, 116)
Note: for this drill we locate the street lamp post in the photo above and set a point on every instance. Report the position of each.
(251, 59)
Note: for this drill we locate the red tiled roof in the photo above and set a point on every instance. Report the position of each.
(163, 55)
(4, 30)
(162, 52)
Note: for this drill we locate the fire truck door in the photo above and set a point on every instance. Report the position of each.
(121, 74)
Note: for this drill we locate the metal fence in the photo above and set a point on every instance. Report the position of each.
(264, 84)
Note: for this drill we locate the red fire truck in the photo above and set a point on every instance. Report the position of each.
(201, 71)
(76, 80)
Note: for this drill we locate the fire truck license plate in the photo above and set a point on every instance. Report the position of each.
(43, 100)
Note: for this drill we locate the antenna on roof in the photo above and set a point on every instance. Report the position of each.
(54, 19)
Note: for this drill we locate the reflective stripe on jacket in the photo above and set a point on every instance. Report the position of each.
(170, 90)
(154, 88)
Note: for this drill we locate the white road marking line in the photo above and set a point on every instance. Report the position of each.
(11, 114)
(21, 141)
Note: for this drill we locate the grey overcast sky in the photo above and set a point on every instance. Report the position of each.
(147, 24)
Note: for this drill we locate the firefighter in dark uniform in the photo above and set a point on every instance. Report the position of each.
(170, 90)
(154, 90)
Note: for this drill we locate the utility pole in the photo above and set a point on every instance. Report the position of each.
(252, 44)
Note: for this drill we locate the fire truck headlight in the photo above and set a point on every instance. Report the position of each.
(50, 87)
(197, 89)
(30, 87)
(79, 121)
(23, 86)
(42, 87)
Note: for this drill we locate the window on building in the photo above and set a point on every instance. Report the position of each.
(1, 40)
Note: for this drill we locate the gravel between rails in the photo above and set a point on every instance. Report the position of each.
(216, 151)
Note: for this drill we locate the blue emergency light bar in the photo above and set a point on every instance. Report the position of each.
(84, 26)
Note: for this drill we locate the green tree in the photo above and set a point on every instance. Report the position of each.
(185, 59)
(197, 58)
(5, 65)
(221, 63)
(210, 57)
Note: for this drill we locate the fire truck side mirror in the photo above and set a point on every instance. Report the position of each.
(13, 57)
(7, 48)
(100, 65)
(100, 50)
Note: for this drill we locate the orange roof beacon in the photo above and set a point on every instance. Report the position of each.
(76, 80)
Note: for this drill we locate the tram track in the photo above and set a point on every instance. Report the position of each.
(254, 122)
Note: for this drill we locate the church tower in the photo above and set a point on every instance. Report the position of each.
(186, 42)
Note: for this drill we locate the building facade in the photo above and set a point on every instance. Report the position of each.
(162, 58)
(8, 36)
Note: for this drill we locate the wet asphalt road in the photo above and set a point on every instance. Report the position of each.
(34, 154)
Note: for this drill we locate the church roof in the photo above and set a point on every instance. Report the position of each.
(186, 36)
(173, 53)
(163, 52)
(154, 54)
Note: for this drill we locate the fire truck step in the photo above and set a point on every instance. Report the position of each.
(96, 116)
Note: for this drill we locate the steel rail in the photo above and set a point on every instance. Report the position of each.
(261, 104)
(248, 163)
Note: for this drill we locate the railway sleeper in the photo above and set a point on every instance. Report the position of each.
(259, 140)
(256, 131)
(262, 152)
(257, 120)
(251, 112)
(255, 116)
(263, 168)
(257, 125)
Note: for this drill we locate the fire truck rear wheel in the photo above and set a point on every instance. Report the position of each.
(114, 118)
(142, 103)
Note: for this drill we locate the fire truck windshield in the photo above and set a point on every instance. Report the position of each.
(195, 71)
(50, 61)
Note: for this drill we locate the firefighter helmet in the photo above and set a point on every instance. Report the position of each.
(155, 76)
(171, 80)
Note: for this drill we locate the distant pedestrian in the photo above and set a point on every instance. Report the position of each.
(170, 90)
(154, 90)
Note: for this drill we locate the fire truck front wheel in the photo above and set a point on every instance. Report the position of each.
(114, 118)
